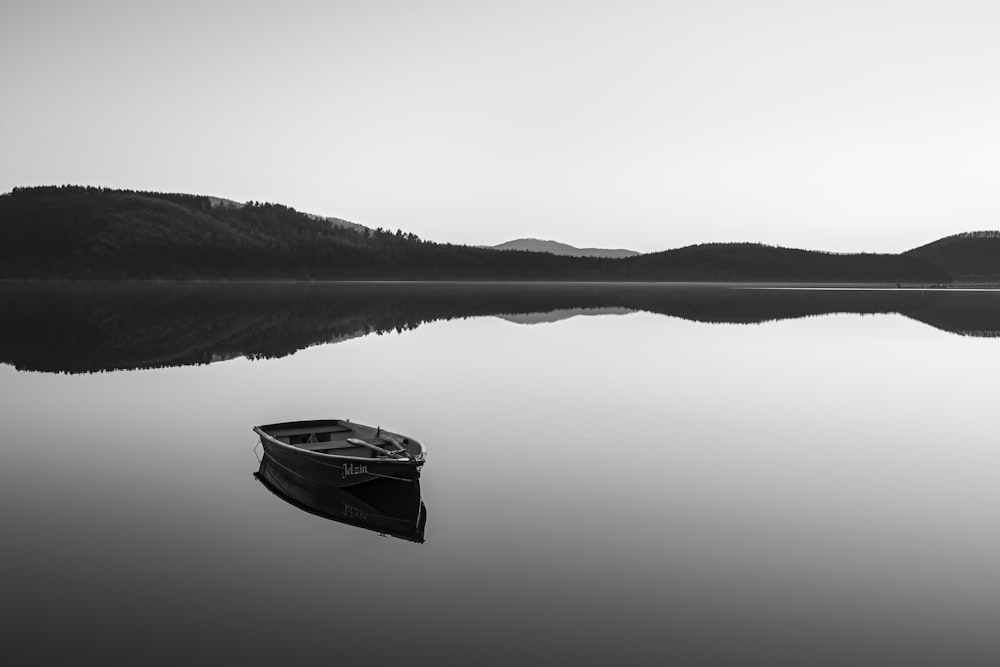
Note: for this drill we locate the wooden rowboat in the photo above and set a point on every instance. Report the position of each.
(339, 452)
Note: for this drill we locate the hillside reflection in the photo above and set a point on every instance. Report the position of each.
(76, 328)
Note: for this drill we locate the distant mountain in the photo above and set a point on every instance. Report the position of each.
(338, 222)
(559, 315)
(220, 202)
(556, 248)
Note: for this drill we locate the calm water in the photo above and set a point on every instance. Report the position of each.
(612, 486)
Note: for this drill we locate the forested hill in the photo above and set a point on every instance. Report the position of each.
(973, 257)
(73, 232)
(90, 233)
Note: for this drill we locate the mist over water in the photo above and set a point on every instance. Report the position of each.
(601, 485)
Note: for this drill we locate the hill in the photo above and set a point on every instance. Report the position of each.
(86, 233)
(73, 232)
(973, 257)
(755, 262)
(556, 248)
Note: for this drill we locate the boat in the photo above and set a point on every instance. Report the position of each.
(340, 453)
(383, 506)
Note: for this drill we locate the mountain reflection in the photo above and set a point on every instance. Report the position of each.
(383, 506)
(90, 327)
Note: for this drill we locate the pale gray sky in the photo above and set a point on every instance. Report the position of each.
(843, 125)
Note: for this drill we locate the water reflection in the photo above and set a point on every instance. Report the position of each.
(386, 507)
(815, 492)
(94, 327)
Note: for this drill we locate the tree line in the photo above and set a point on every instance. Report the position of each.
(79, 232)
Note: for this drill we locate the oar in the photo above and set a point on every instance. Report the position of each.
(375, 448)
(395, 443)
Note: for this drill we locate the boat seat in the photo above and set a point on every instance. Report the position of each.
(321, 438)
(362, 452)
(321, 428)
(317, 446)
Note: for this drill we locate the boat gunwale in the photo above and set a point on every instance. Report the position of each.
(413, 460)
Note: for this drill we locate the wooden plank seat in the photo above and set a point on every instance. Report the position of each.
(341, 449)
(329, 444)
(332, 428)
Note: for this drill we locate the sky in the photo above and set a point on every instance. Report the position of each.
(844, 126)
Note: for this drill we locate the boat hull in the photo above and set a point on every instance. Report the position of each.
(337, 471)
(341, 464)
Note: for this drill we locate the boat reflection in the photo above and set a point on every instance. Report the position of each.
(386, 506)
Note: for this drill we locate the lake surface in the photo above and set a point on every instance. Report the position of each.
(628, 474)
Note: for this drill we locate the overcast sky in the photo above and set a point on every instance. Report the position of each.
(842, 125)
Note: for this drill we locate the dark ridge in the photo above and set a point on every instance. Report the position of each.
(754, 262)
(972, 258)
(84, 327)
(85, 233)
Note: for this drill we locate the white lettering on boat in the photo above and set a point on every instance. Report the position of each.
(351, 469)
(352, 512)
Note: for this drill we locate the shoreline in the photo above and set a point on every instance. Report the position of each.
(736, 284)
